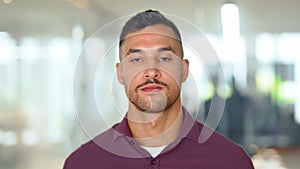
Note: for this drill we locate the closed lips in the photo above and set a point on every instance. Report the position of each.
(151, 88)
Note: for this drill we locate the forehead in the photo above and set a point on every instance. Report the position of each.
(158, 29)
(151, 37)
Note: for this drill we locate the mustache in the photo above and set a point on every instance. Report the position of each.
(152, 81)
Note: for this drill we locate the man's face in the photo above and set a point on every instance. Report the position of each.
(152, 69)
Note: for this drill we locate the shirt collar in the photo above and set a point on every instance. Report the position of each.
(190, 128)
(122, 129)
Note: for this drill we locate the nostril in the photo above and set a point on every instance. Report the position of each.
(151, 73)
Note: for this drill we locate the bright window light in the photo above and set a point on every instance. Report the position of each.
(29, 137)
(230, 22)
(7, 48)
(30, 48)
(234, 50)
(59, 49)
(78, 33)
(265, 48)
(288, 47)
(9, 138)
(231, 30)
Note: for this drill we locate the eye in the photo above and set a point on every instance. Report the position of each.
(165, 59)
(136, 60)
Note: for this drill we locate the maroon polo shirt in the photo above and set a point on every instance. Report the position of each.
(116, 149)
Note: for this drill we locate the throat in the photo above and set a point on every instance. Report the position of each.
(156, 125)
(160, 131)
(149, 129)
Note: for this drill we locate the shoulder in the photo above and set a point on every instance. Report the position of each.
(86, 148)
(222, 149)
(83, 155)
(87, 154)
(210, 137)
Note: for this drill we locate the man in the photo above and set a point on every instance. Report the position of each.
(157, 131)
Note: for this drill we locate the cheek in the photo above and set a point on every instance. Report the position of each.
(174, 75)
(131, 81)
(174, 86)
(129, 75)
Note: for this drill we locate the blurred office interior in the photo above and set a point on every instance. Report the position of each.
(55, 94)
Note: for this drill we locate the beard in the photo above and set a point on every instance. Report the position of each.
(154, 102)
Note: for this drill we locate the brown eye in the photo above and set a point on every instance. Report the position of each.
(165, 59)
(136, 60)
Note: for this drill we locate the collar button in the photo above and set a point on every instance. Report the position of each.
(153, 162)
(131, 142)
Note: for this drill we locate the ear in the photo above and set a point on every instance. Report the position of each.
(119, 73)
(184, 69)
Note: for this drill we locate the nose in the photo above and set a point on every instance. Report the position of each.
(152, 73)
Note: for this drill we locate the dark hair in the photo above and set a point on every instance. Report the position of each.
(144, 19)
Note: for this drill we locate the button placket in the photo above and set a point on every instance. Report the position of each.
(154, 163)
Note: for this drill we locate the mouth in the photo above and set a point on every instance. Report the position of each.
(151, 88)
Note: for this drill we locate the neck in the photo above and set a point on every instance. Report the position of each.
(156, 129)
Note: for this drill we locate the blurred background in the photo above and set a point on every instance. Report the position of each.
(257, 43)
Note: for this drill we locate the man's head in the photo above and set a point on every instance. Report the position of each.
(147, 18)
(152, 66)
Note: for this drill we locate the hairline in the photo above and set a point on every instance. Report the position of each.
(175, 37)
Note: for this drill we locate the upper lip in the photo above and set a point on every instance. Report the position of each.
(151, 86)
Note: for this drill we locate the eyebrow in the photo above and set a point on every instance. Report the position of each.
(162, 49)
(166, 49)
(134, 51)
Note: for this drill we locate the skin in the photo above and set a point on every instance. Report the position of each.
(152, 70)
